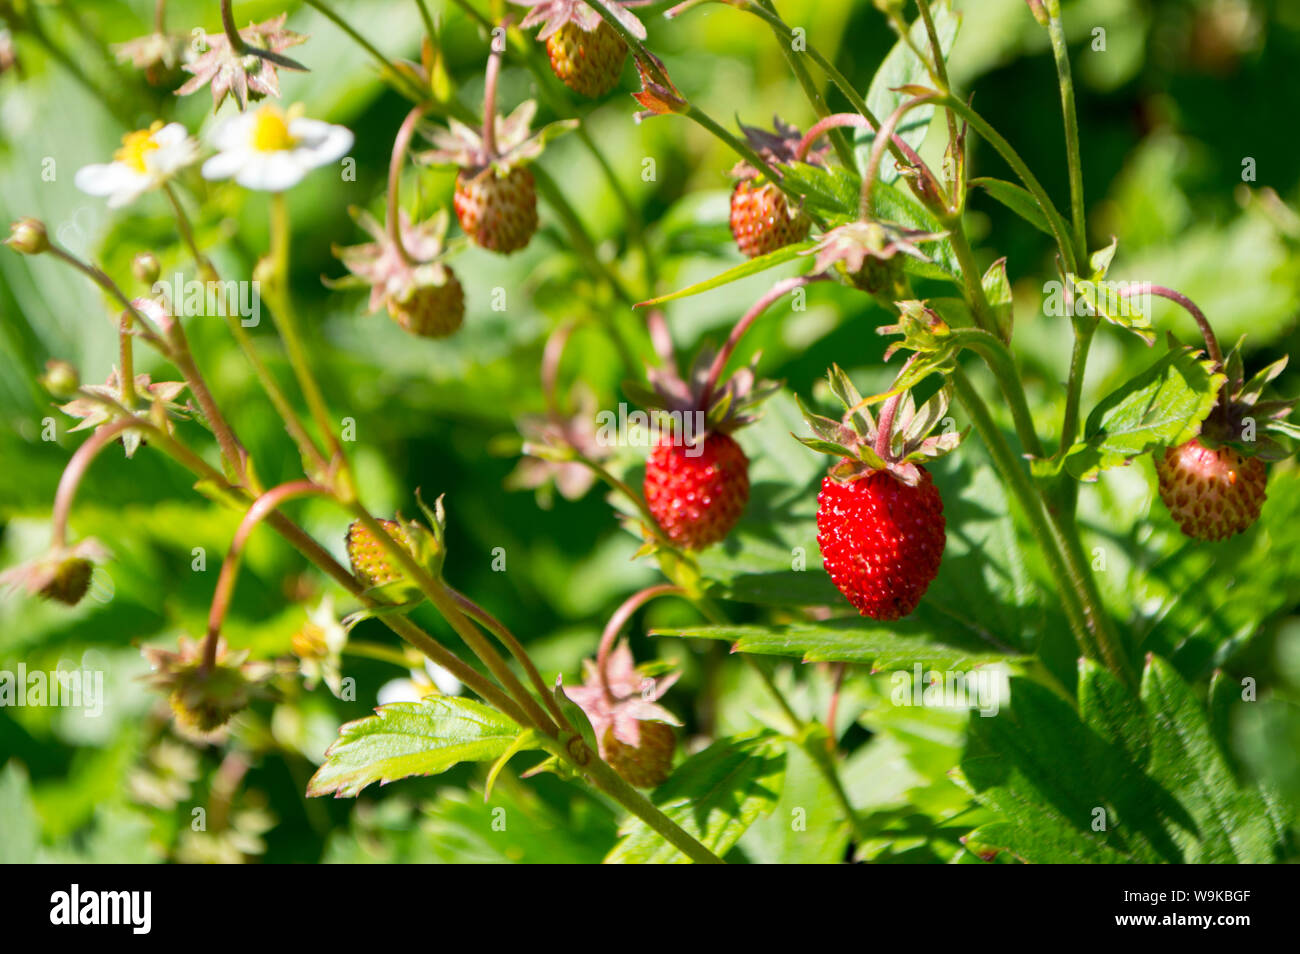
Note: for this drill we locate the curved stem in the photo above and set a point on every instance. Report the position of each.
(160, 16)
(401, 143)
(515, 648)
(490, 102)
(619, 620)
(1207, 332)
(811, 91)
(263, 507)
(76, 469)
(552, 355)
(777, 291)
(883, 139)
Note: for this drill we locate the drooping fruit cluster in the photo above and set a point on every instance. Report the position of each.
(63, 574)
(763, 219)
(586, 53)
(1213, 485)
(697, 491)
(496, 196)
(634, 734)
(421, 293)
(880, 523)
(697, 477)
(204, 697)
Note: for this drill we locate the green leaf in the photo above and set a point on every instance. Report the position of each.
(997, 289)
(1124, 779)
(1018, 199)
(411, 738)
(894, 645)
(714, 795)
(1161, 407)
(895, 205)
(745, 269)
(902, 68)
(830, 192)
(824, 833)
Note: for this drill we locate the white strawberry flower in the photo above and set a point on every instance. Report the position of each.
(434, 680)
(147, 159)
(270, 150)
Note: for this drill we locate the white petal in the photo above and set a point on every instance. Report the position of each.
(170, 135)
(167, 159)
(398, 690)
(320, 143)
(447, 683)
(232, 132)
(225, 164)
(271, 171)
(108, 178)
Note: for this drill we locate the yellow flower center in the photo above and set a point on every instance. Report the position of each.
(136, 146)
(271, 131)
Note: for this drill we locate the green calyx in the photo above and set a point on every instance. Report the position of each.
(1241, 420)
(855, 437)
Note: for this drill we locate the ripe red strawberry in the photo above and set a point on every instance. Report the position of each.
(368, 555)
(763, 219)
(588, 62)
(586, 53)
(1212, 494)
(880, 523)
(647, 764)
(697, 491)
(498, 212)
(881, 540)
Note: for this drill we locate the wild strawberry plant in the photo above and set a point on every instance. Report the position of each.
(968, 521)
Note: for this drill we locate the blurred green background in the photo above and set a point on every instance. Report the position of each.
(1180, 97)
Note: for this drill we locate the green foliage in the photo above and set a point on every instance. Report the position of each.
(411, 738)
(1161, 407)
(714, 795)
(1119, 780)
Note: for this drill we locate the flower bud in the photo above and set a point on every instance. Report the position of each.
(60, 379)
(145, 268)
(28, 237)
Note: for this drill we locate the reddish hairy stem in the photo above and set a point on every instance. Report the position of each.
(1203, 323)
(400, 144)
(490, 102)
(720, 361)
(262, 507)
(619, 620)
(76, 469)
(885, 135)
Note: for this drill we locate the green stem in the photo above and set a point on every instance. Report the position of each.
(1018, 481)
(1061, 54)
(1084, 329)
(1002, 365)
(376, 651)
(813, 93)
(1060, 231)
(312, 457)
(393, 74)
(286, 322)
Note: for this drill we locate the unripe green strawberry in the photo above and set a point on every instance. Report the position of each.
(588, 62)
(647, 764)
(697, 492)
(762, 219)
(369, 557)
(498, 212)
(1212, 493)
(881, 540)
(431, 311)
